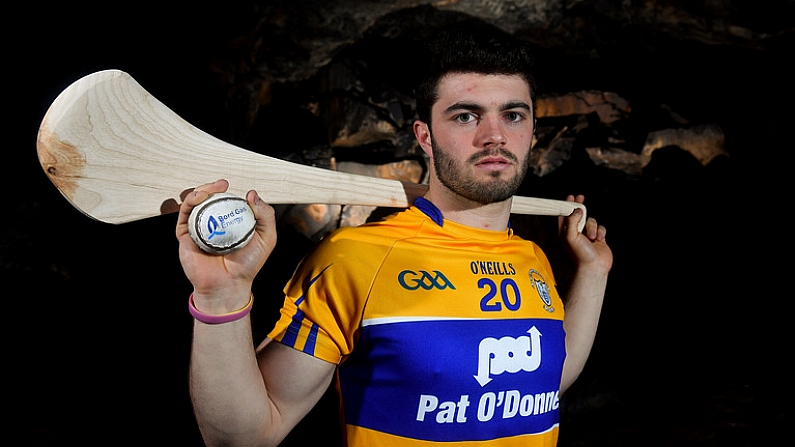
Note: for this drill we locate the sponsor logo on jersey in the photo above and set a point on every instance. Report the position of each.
(508, 355)
(492, 268)
(501, 379)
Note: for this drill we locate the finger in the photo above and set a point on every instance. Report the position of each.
(195, 197)
(601, 233)
(591, 228)
(199, 195)
(572, 223)
(562, 220)
(579, 198)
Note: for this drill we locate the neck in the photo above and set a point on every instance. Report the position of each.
(493, 216)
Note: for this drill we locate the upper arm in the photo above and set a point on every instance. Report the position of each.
(295, 382)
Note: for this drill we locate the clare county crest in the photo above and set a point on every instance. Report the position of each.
(541, 286)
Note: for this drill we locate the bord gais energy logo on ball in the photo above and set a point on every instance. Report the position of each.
(213, 228)
(222, 223)
(217, 226)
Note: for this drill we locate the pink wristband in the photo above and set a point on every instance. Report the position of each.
(222, 318)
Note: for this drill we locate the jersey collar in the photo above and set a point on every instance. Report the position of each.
(434, 213)
(430, 210)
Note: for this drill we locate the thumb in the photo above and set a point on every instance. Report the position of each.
(265, 215)
(571, 224)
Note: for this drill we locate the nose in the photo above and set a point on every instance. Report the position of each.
(490, 132)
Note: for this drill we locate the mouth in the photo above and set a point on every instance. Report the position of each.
(493, 163)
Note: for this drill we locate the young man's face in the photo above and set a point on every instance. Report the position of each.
(481, 133)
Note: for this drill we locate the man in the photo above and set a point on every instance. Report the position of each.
(438, 324)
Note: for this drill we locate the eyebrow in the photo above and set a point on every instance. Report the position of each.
(472, 107)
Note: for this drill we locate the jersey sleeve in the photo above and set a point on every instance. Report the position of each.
(326, 296)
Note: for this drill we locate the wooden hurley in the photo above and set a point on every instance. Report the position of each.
(120, 155)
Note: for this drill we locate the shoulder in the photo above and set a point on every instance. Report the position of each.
(396, 226)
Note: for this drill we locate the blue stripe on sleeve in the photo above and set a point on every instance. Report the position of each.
(291, 334)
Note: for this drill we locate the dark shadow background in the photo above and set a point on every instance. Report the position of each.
(694, 342)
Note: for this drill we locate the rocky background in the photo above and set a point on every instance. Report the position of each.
(669, 116)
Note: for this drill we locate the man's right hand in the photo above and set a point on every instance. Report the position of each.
(222, 283)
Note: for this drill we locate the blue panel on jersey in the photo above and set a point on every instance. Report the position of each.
(455, 380)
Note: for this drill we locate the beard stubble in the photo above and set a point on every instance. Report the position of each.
(454, 175)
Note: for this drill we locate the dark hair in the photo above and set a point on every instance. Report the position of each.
(482, 51)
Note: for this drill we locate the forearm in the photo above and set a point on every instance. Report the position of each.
(583, 304)
(227, 389)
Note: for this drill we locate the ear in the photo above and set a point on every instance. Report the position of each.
(423, 135)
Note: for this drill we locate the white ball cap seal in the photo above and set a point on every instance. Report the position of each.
(222, 223)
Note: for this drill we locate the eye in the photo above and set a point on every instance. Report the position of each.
(514, 117)
(465, 118)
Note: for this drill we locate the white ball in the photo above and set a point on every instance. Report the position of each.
(222, 223)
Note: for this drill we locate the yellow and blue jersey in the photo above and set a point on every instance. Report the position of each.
(442, 332)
